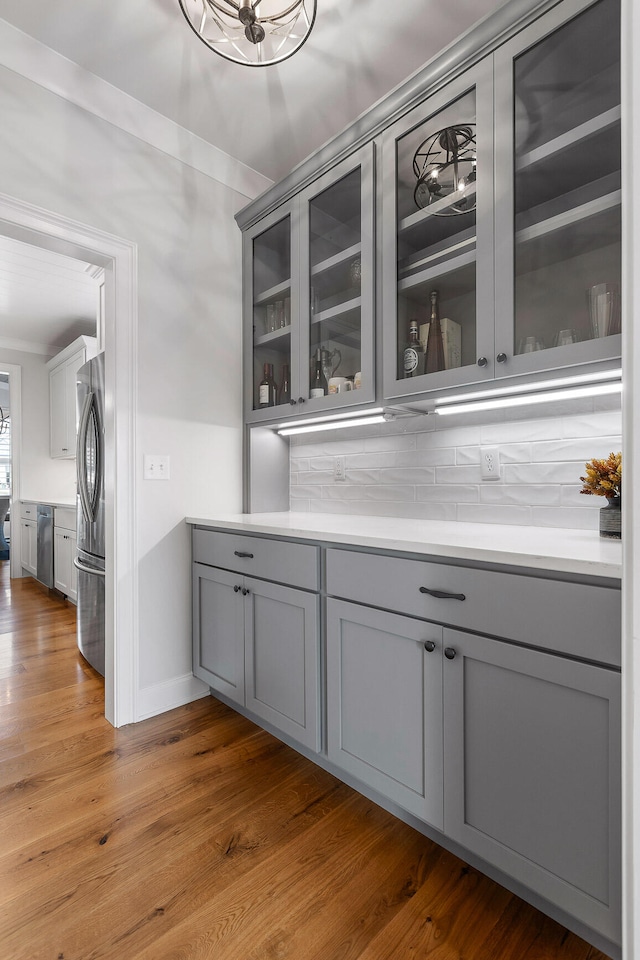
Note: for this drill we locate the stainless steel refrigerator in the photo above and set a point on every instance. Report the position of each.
(90, 561)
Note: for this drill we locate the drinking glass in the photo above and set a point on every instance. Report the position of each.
(530, 345)
(604, 309)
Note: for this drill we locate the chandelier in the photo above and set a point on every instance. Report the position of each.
(253, 32)
(4, 421)
(445, 166)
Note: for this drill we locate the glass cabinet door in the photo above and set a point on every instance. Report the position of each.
(558, 234)
(337, 288)
(438, 225)
(272, 296)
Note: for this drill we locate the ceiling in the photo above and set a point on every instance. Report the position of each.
(46, 300)
(269, 118)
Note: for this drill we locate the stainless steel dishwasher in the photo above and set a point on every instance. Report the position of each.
(44, 545)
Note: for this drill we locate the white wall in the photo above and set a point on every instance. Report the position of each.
(41, 477)
(57, 156)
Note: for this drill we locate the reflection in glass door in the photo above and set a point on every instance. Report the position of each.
(567, 184)
(272, 316)
(335, 289)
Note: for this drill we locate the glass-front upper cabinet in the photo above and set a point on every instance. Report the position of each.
(271, 301)
(337, 290)
(558, 200)
(438, 239)
(311, 298)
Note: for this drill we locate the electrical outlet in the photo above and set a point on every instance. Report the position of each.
(338, 468)
(490, 463)
(156, 466)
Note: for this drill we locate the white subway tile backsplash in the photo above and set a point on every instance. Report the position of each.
(563, 450)
(408, 475)
(429, 467)
(521, 494)
(485, 513)
(448, 492)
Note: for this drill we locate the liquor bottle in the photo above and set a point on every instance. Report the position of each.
(319, 386)
(285, 389)
(435, 347)
(413, 357)
(267, 388)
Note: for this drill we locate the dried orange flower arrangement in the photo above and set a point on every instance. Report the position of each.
(604, 477)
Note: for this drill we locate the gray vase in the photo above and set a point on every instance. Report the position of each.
(611, 519)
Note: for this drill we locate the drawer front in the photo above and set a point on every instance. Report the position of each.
(578, 619)
(65, 517)
(294, 564)
(28, 511)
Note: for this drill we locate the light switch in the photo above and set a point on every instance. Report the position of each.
(156, 466)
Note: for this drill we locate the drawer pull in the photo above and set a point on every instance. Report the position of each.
(442, 594)
(449, 653)
(429, 646)
(239, 553)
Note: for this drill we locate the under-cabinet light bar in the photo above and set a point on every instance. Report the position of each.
(328, 418)
(535, 387)
(522, 400)
(331, 425)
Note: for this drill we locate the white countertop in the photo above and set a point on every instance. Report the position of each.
(542, 548)
(53, 503)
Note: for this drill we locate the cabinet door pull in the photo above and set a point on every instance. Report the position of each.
(429, 646)
(482, 361)
(292, 402)
(245, 591)
(236, 588)
(239, 553)
(442, 594)
(449, 653)
(300, 399)
(501, 358)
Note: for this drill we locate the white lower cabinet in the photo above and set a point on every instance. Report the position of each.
(257, 643)
(28, 548)
(64, 552)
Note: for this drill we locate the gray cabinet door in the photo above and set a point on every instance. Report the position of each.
(532, 771)
(282, 658)
(218, 630)
(384, 704)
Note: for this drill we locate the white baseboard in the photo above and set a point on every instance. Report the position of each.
(170, 694)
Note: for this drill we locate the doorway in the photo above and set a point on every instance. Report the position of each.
(47, 230)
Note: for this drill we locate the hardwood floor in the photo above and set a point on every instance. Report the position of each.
(196, 835)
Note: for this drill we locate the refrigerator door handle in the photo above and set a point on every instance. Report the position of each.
(80, 566)
(80, 458)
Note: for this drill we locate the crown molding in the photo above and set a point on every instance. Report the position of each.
(35, 61)
(27, 346)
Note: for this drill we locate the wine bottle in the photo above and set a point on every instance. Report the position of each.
(319, 386)
(267, 388)
(285, 388)
(413, 357)
(435, 347)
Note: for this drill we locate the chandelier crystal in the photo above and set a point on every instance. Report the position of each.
(255, 33)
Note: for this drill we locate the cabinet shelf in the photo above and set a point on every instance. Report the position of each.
(340, 311)
(337, 260)
(438, 253)
(273, 293)
(597, 222)
(271, 339)
(463, 266)
(434, 209)
(578, 135)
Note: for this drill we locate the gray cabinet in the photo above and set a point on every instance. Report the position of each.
(309, 291)
(384, 704)
(532, 771)
(528, 778)
(522, 249)
(257, 643)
